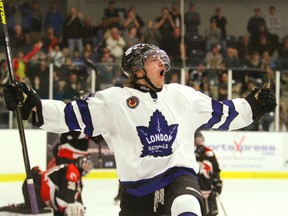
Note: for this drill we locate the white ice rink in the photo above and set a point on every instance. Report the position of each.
(241, 197)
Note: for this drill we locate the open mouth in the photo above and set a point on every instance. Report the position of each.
(162, 73)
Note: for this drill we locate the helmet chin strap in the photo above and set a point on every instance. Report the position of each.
(149, 81)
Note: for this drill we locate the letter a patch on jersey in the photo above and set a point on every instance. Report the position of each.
(158, 137)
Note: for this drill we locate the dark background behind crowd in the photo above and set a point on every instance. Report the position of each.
(80, 36)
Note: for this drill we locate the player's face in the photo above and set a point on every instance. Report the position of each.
(198, 141)
(156, 66)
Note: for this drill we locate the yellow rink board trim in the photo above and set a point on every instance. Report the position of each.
(111, 174)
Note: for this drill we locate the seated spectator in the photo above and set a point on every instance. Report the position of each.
(262, 40)
(214, 62)
(283, 53)
(223, 87)
(256, 71)
(56, 56)
(106, 70)
(212, 35)
(244, 49)
(269, 65)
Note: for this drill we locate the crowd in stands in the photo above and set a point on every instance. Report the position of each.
(76, 45)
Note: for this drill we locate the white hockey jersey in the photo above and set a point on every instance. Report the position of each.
(152, 139)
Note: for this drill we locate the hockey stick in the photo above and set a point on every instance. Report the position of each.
(222, 206)
(29, 179)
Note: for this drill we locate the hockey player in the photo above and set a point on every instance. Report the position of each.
(71, 145)
(209, 175)
(60, 187)
(148, 125)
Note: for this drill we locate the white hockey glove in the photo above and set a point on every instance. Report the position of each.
(74, 209)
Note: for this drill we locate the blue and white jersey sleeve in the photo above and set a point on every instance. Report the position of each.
(223, 115)
(90, 116)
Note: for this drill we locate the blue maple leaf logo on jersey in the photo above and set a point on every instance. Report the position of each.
(158, 137)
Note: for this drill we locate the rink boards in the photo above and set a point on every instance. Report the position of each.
(240, 154)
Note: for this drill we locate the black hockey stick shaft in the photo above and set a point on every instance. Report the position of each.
(29, 179)
(222, 206)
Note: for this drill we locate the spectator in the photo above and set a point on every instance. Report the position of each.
(36, 21)
(10, 12)
(138, 18)
(165, 24)
(130, 21)
(269, 65)
(106, 70)
(40, 82)
(152, 34)
(115, 43)
(175, 14)
(273, 22)
(73, 31)
(92, 34)
(255, 21)
(263, 40)
(72, 86)
(21, 61)
(111, 17)
(223, 87)
(214, 61)
(245, 49)
(212, 35)
(49, 40)
(174, 47)
(131, 38)
(256, 72)
(192, 21)
(17, 40)
(198, 75)
(56, 56)
(26, 16)
(54, 18)
(221, 22)
(231, 61)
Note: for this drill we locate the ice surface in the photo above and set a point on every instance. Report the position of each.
(249, 197)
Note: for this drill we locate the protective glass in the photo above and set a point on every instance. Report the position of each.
(157, 54)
